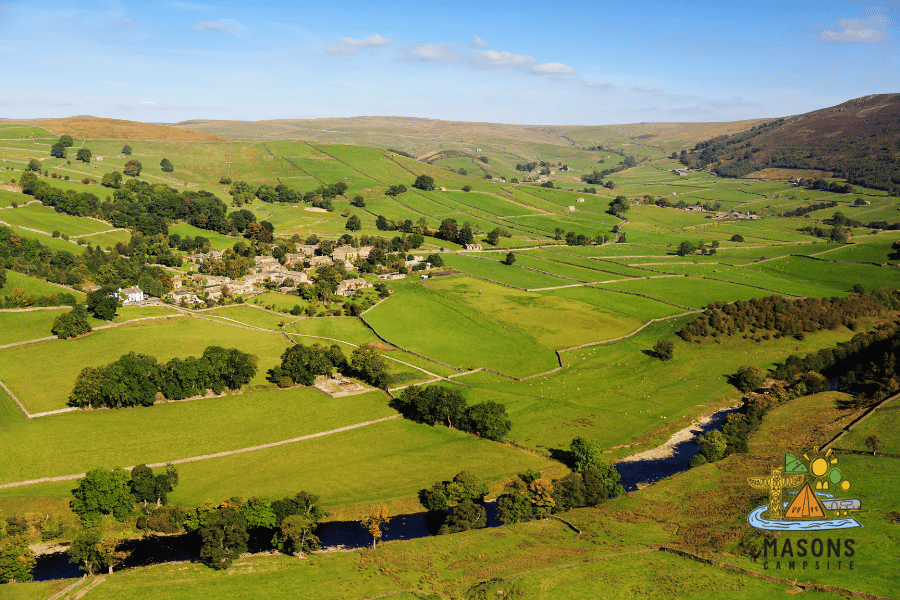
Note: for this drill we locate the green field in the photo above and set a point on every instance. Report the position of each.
(24, 369)
(491, 268)
(34, 286)
(552, 321)
(457, 335)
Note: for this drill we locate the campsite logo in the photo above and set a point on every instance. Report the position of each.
(818, 505)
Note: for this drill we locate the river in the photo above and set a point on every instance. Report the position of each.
(637, 471)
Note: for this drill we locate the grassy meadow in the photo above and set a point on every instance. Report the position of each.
(613, 391)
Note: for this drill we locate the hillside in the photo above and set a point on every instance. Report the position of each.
(118, 129)
(858, 140)
(424, 136)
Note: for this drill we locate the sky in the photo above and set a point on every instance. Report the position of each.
(541, 63)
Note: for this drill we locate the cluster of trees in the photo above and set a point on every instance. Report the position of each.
(866, 366)
(135, 379)
(424, 182)
(493, 236)
(787, 317)
(125, 265)
(596, 178)
(396, 190)
(71, 324)
(869, 162)
(115, 492)
(321, 197)
(302, 364)
(450, 231)
(436, 404)
(687, 248)
(803, 210)
(136, 205)
(709, 151)
(835, 234)
(456, 505)
(58, 150)
(225, 531)
(619, 206)
(529, 496)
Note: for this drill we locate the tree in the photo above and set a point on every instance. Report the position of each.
(72, 324)
(435, 260)
(112, 180)
(873, 443)
(84, 155)
(737, 238)
(510, 259)
(467, 188)
(16, 559)
(66, 140)
(58, 150)
(166, 165)
(749, 378)
(148, 487)
(374, 520)
(85, 551)
(712, 445)
(353, 223)
(126, 150)
(686, 248)
(103, 492)
(224, 535)
(358, 201)
(488, 419)
(663, 350)
(133, 168)
(34, 165)
(586, 454)
(370, 366)
(424, 182)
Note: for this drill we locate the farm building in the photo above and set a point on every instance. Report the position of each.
(132, 295)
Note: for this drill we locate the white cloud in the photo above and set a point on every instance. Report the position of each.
(647, 89)
(603, 87)
(873, 28)
(477, 42)
(431, 53)
(552, 69)
(226, 25)
(352, 46)
(490, 59)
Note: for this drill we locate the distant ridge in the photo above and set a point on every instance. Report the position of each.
(85, 126)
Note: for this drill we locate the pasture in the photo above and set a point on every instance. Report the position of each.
(552, 321)
(35, 286)
(457, 335)
(25, 371)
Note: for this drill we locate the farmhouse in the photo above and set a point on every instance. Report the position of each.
(237, 288)
(184, 296)
(389, 276)
(474, 247)
(348, 286)
(266, 262)
(132, 295)
(349, 253)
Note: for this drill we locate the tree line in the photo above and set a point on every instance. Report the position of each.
(438, 404)
(135, 379)
(125, 265)
(787, 317)
(224, 531)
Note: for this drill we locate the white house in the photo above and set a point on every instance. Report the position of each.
(132, 295)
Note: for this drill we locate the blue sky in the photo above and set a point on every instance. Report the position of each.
(565, 63)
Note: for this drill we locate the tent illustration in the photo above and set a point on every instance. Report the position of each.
(805, 504)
